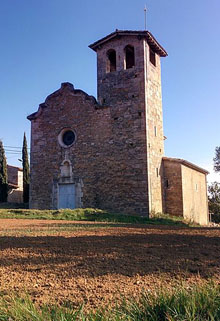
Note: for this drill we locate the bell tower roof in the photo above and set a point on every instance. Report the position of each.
(153, 43)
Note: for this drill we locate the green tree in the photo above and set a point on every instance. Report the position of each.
(214, 201)
(26, 172)
(3, 175)
(216, 159)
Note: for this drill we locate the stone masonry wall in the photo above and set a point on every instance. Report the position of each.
(75, 110)
(155, 137)
(116, 159)
(137, 90)
(185, 191)
(195, 205)
(15, 196)
(102, 158)
(173, 188)
(124, 92)
(15, 176)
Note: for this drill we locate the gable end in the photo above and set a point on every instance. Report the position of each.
(64, 87)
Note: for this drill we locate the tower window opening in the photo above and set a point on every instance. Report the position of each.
(129, 57)
(152, 57)
(111, 60)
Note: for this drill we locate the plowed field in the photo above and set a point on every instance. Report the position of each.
(97, 263)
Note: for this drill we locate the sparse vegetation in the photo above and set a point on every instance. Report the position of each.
(3, 175)
(26, 173)
(89, 214)
(216, 159)
(200, 303)
(214, 201)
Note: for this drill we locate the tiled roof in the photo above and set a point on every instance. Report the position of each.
(154, 44)
(16, 167)
(186, 163)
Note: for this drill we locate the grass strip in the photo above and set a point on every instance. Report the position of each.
(200, 303)
(90, 214)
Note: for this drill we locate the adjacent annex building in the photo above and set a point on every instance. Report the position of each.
(109, 153)
(15, 184)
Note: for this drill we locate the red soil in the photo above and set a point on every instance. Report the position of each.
(57, 261)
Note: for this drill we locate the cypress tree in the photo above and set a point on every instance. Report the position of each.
(3, 175)
(26, 172)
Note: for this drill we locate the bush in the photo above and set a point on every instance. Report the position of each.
(214, 210)
(214, 201)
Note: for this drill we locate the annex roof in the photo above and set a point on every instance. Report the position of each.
(153, 43)
(186, 163)
(15, 167)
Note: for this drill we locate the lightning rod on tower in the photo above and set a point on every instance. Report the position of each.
(145, 17)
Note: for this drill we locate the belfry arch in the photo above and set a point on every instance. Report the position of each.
(129, 57)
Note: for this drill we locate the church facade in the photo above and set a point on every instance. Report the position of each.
(109, 153)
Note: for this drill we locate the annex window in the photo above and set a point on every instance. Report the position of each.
(152, 57)
(111, 60)
(129, 57)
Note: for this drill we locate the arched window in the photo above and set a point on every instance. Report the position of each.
(152, 57)
(111, 60)
(129, 57)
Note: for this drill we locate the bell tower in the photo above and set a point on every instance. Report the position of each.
(129, 83)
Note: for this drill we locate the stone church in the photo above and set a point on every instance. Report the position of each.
(109, 153)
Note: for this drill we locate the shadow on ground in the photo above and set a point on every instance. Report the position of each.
(125, 251)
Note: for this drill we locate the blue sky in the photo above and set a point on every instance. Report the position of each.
(44, 43)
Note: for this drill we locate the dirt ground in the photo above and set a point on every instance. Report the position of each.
(98, 263)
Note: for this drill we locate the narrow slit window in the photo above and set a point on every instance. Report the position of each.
(152, 57)
(155, 131)
(129, 57)
(111, 60)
